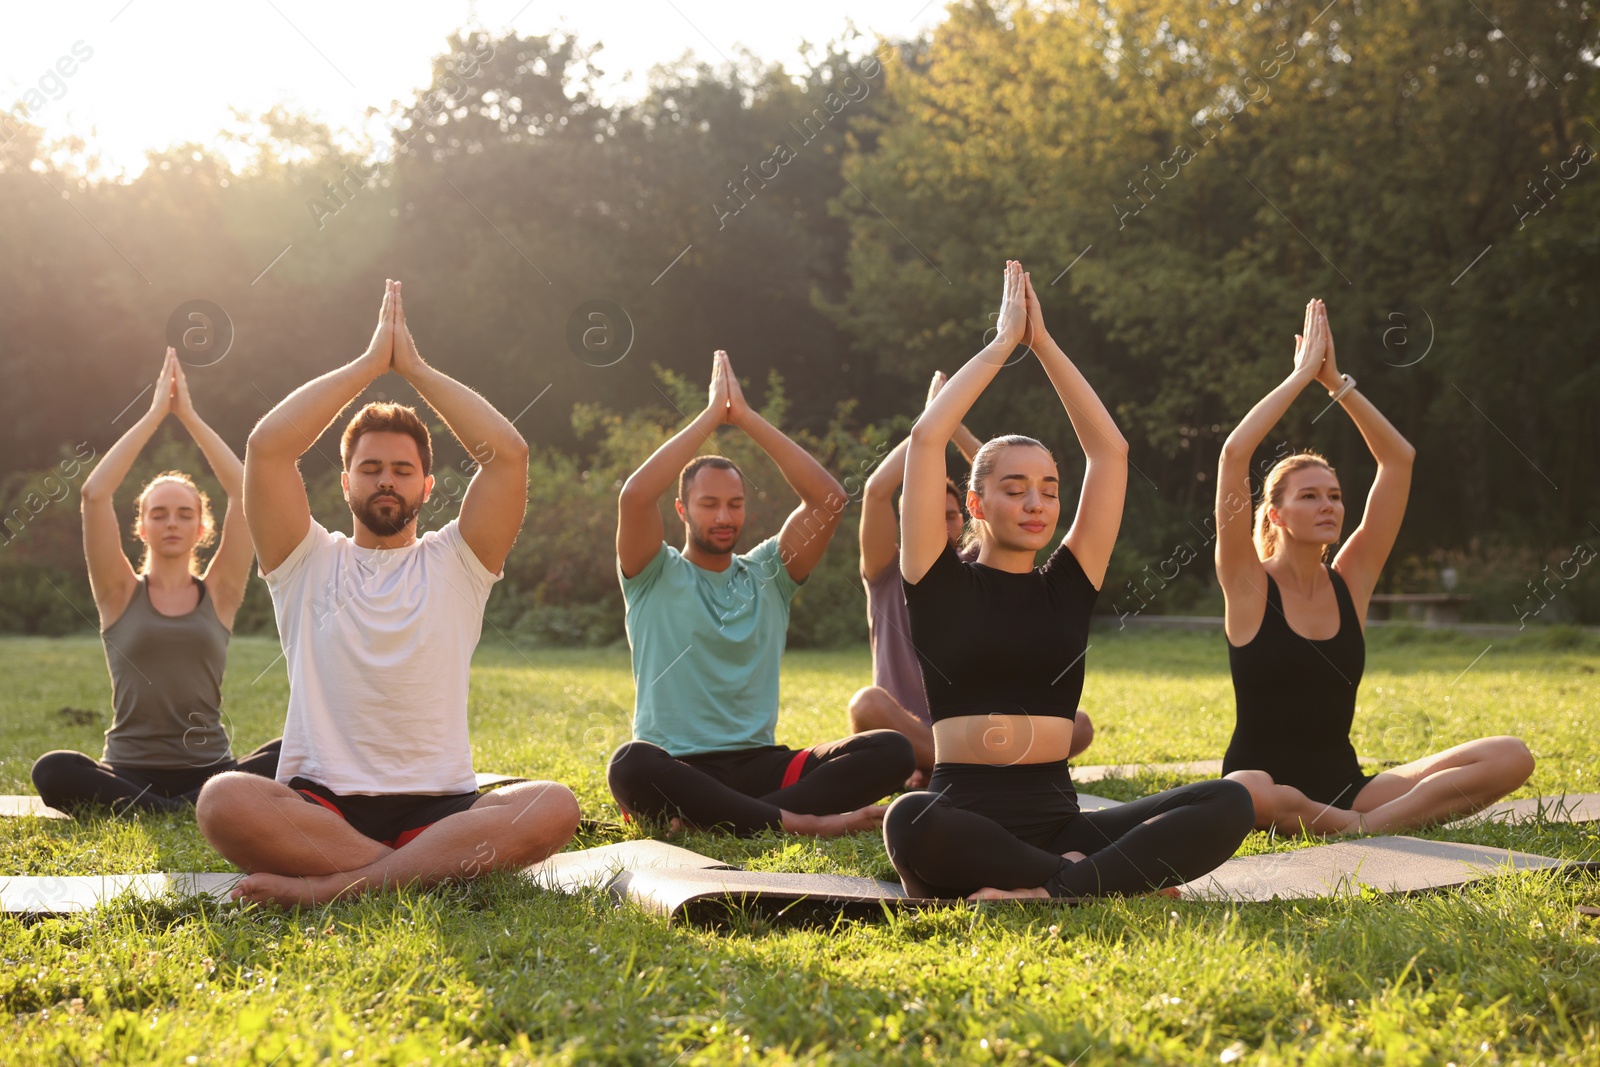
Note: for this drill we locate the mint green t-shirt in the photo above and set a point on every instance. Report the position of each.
(706, 648)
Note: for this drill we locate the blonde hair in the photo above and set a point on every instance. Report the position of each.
(982, 467)
(1265, 534)
(208, 525)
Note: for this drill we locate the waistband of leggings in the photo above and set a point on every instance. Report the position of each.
(1013, 774)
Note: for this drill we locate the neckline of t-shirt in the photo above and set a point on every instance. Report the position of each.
(364, 553)
(1001, 570)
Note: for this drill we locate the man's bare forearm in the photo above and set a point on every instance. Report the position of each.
(475, 422)
(807, 477)
(293, 426)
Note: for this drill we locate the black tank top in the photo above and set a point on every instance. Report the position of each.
(1295, 699)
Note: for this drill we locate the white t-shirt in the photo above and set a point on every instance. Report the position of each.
(379, 646)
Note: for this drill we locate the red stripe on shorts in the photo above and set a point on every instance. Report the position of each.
(791, 774)
(406, 837)
(312, 796)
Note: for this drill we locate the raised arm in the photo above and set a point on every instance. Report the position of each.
(1239, 569)
(880, 529)
(228, 573)
(809, 527)
(497, 497)
(111, 576)
(879, 532)
(922, 529)
(1105, 478)
(275, 503)
(639, 526)
(1366, 550)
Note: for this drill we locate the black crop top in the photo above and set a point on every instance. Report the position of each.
(995, 641)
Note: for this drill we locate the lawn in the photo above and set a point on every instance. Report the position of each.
(496, 972)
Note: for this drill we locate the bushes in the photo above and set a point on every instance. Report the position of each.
(34, 599)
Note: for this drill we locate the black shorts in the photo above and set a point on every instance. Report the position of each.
(1340, 794)
(392, 819)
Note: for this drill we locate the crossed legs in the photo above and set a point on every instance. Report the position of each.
(295, 853)
(1433, 789)
(834, 792)
(1159, 841)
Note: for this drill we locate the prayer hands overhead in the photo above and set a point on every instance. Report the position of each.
(1012, 324)
(182, 406)
(1312, 346)
(1329, 374)
(161, 402)
(727, 400)
(406, 357)
(738, 408)
(717, 402)
(379, 355)
(1035, 331)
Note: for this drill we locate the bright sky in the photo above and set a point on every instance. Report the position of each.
(127, 76)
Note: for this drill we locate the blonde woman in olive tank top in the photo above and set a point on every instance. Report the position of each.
(165, 626)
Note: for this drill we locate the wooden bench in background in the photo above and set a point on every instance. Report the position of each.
(1430, 609)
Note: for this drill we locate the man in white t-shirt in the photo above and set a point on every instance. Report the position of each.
(375, 787)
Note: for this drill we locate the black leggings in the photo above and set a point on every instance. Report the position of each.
(1006, 828)
(747, 791)
(71, 782)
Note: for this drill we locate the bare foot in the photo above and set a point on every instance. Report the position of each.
(918, 780)
(1041, 893)
(1010, 894)
(283, 891)
(850, 822)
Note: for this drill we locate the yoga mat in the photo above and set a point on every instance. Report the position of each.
(1090, 802)
(1096, 772)
(667, 880)
(1566, 807)
(572, 872)
(64, 895)
(716, 896)
(1387, 864)
(702, 890)
(12, 807)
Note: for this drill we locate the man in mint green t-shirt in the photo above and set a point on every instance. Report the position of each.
(707, 627)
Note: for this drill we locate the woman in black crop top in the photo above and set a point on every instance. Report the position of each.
(1294, 628)
(1002, 644)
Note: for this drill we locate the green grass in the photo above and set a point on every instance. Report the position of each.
(495, 972)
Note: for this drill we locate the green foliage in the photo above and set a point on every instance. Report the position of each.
(1203, 169)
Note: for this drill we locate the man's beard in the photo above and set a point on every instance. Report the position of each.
(381, 524)
(710, 547)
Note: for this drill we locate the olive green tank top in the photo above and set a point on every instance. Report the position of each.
(166, 679)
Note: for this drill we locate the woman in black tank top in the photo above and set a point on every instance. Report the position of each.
(165, 627)
(1294, 629)
(1002, 643)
